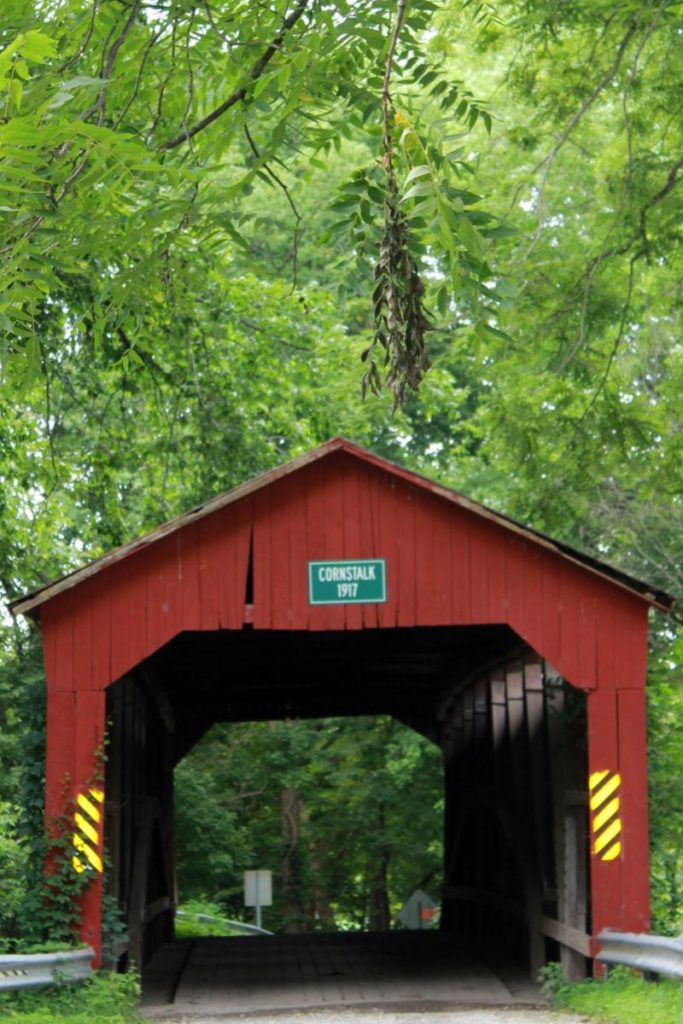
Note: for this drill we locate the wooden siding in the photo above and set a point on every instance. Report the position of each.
(446, 565)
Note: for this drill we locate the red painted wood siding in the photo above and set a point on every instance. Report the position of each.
(445, 565)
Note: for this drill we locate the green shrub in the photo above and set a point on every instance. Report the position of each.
(106, 998)
(623, 998)
(189, 926)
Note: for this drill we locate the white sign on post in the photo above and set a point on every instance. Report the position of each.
(258, 891)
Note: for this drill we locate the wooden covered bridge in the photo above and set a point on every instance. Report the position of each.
(342, 584)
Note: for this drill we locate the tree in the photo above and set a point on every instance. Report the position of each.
(347, 813)
(164, 114)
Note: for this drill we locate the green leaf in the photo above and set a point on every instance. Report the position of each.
(420, 188)
(417, 172)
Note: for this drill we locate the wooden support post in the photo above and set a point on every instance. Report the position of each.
(75, 735)
(619, 868)
(452, 748)
(603, 757)
(568, 775)
(635, 871)
(499, 768)
(514, 681)
(535, 710)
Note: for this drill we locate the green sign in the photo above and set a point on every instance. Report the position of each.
(360, 581)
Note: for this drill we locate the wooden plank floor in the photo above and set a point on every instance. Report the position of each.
(293, 972)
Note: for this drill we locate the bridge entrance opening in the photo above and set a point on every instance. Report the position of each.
(341, 585)
(345, 813)
(511, 740)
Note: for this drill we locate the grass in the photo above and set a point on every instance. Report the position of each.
(106, 999)
(189, 925)
(622, 999)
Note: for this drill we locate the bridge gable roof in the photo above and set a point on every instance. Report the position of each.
(32, 602)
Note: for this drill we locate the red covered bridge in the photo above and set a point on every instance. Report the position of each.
(341, 584)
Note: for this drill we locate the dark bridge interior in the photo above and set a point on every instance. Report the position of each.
(511, 733)
(249, 675)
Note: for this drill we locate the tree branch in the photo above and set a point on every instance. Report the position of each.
(239, 94)
(549, 160)
(662, 194)
(288, 196)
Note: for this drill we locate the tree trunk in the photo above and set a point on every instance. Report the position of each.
(293, 912)
(378, 869)
(322, 909)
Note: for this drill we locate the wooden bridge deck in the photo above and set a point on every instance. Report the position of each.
(294, 972)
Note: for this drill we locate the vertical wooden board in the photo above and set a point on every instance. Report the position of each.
(634, 795)
(121, 615)
(57, 629)
(460, 567)
(63, 673)
(534, 700)
(351, 525)
(608, 637)
(298, 544)
(383, 493)
(440, 529)
(468, 726)
(498, 705)
(497, 582)
(406, 584)
(603, 755)
(136, 575)
(568, 662)
(587, 641)
(533, 597)
(516, 552)
(283, 496)
(231, 542)
(371, 543)
(60, 752)
(425, 597)
(479, 571)
(158, 606)
(316, 537)
(82, 633)
(208, 531)
(49, 627)
(335, 615)
(100, 611)
(261, 560)
(324, 515)
(173, 578)
(630, 646)
(551, 587)
(191, 617)
(90, 725)
(481, 713)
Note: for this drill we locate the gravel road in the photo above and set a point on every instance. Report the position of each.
(499, 1015)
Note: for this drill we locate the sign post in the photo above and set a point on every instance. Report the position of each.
(258, 891)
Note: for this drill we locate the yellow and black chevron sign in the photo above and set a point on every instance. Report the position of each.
(604, 804)
(87, 837)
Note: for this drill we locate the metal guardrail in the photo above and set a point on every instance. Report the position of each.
(651, 954)
(29, 970)
(238, 926)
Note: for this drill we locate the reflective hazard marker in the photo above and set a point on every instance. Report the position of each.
(87, 837)
(604, 804)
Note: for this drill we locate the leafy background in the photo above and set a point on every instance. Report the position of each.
(192, 202)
